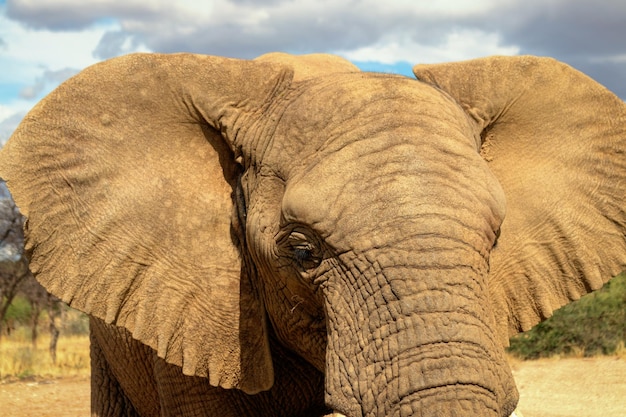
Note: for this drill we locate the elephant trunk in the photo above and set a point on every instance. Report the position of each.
(414, 342)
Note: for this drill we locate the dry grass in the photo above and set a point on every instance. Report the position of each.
(18, 358)
(515, 362)
(620, 350)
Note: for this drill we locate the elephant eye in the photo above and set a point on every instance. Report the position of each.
(305, 257)
(302, 254)
(300, 247)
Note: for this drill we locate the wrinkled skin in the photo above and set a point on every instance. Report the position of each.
(289, 236)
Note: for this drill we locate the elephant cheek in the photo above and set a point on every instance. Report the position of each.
(410, 352)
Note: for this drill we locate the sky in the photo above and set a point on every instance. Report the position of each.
(43, 42)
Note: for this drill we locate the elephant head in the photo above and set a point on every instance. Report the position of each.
(392, 232)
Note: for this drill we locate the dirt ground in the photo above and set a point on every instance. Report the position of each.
(585, 387)
(594, 387)
(67, 397)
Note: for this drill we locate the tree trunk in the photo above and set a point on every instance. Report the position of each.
(34, 322)
(54, 337)
(8, 291)
(54, 311)
(4, 307)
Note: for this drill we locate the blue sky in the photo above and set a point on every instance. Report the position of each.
(44, 42)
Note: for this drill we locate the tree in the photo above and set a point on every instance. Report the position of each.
(13, 265)
(41, 300)
(37, 297)
(15, 276)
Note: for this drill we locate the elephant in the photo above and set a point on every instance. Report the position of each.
(291, 236)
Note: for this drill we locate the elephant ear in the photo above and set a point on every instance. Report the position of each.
(556, 141)
(128, 188)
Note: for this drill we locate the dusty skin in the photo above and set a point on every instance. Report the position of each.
(589, 387)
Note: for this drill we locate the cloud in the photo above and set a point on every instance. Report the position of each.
(299, 27)
(457, 45)
(571, 28)
(244, 28)
(584, 33)
(27, 53)
(8, 125)
(73, 15)
(589, 35)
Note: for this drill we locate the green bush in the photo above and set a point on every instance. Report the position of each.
(595, 324)
(70, 321)
(19, 311)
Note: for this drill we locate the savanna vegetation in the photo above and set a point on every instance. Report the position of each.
(22, 357)
(31, 320)
(593, 325)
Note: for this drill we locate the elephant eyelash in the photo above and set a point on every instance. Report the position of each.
(305, 257)
(302, 253)
(297, 246)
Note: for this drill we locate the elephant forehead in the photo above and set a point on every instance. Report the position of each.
(321, 116)
(346, 98)
(374, 147)
(359, 189)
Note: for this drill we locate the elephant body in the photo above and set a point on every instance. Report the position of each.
(291, 236)
(129, 379)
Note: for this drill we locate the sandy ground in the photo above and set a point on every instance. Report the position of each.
(67, 397)
(585, 387)
(594, 387)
